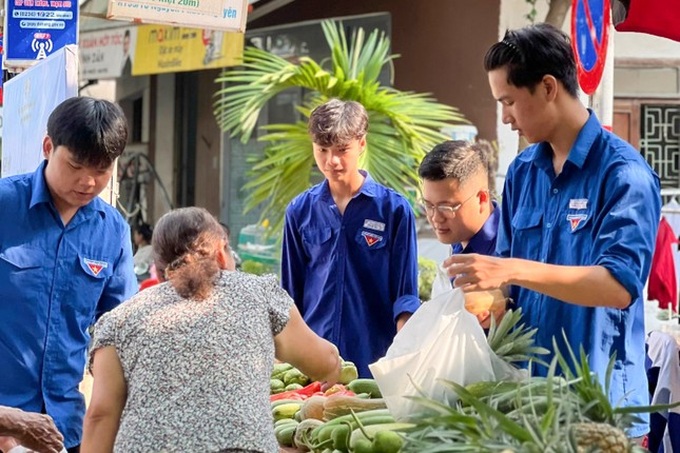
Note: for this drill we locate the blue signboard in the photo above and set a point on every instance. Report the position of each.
(34, 29)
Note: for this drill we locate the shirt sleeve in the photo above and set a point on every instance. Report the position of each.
(293, 261)
(104, 335)
(404, 263)
(627, 227)
(123, 283)
(278, 303)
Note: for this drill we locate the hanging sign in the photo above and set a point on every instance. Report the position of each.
(175, 49)
(35, 29)
(226, 15)
(590, 21)
(107, 54)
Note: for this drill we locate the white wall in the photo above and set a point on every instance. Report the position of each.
(642, 45)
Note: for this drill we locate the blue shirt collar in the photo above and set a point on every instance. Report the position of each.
(484, 241)
(40, 193)
(591, 130)
(368, 188)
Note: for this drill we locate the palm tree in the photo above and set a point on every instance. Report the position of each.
(403, 125)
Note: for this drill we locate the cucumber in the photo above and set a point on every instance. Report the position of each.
(284, 435)
(359, 415)
(285, 401)
(284, 421)
(373, 429)
(365, 386)
(375, 420)
(340, 437)
(363, 446)
(285, 410)
(323, 432)
(387, 442)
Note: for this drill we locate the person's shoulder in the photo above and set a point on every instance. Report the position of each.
(388, 195)
(16, 185)
(305, 198)
(620, 157)
(15, 193)
(619, 149)
(110, 214)
(526, 156)
(246, 277)
(397, 198)
(247, 283)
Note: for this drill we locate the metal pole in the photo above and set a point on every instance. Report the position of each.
(602, 101)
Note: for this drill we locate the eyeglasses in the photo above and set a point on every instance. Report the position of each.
(446, 210)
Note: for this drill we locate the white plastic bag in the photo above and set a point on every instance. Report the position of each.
(442, 340)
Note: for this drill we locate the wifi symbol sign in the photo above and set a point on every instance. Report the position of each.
(42, 47)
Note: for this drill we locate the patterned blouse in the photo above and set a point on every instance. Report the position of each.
(197, 372)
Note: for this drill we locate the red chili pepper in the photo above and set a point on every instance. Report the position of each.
(310, 389)
(300, 394)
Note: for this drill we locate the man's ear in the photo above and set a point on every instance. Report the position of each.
(47, 147)
(549, 85)
(362, 143)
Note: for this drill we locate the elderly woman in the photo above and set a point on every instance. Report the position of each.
(185, 365)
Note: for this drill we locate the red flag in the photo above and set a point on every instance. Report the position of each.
(655, 17)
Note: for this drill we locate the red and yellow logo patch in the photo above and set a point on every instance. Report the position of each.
(371, 238)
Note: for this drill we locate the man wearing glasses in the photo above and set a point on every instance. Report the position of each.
(460, 208)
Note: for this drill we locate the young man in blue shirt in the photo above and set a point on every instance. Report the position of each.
(349, 247)
(457, 199)
(461, 210)
(65, 259)
(579, 216)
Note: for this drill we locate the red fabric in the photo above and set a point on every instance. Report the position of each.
(656, 17)
(147, 283)
(663, 285)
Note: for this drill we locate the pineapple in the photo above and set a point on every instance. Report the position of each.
(600, 437)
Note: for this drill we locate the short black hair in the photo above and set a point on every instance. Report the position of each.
(530, 53)
(95, 131)
(145, 230)
(455, 159)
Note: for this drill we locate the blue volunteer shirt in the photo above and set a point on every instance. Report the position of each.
(352, 275)
(484, 241)
(603, 209)
(54, 282)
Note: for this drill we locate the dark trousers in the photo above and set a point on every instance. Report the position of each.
(75, 449)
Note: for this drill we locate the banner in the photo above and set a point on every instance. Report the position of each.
(30, 98)
(107, 54)
(655, 17)
(227, 15)
(34, 29)
(176, 49)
